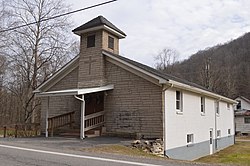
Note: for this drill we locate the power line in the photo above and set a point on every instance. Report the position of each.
(46, 19)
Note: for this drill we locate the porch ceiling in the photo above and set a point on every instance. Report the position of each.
(81, 91)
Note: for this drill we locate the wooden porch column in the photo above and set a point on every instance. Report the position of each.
(47, 116)
(82, 135)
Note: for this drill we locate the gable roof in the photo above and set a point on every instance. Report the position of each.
(151, 72)
(96, 22)
(59, 74)
(243, 98)
(174, 81)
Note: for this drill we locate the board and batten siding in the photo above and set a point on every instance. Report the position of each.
(134, 106)
(192, 121)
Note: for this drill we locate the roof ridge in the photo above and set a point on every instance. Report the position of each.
(160, 73)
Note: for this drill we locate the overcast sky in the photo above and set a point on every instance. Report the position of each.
(187, 26)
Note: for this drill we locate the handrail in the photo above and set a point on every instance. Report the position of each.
(94, 120)
(72, 112)
(93, 115)
(60, 121)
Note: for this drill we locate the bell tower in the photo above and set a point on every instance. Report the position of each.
(96, 35)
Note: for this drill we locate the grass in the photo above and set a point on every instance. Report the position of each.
(20, 133)
(238, 154)
(120, 149)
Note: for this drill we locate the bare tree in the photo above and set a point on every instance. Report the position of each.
(166, 59)
(36, 50)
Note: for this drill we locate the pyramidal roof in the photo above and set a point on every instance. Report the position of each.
(96, 22)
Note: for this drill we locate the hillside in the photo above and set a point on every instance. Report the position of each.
(224, 69)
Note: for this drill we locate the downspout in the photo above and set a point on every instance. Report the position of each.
(82, 136)
(163, 112)
(215, 123)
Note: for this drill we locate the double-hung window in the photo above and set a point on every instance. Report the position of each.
(178, 104)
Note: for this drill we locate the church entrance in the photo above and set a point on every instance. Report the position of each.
(94, 102)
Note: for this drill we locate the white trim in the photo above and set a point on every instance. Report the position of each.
(161, 80)
(200, 91)
(76, 91)
(98, 28)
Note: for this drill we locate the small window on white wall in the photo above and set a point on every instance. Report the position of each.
(202, 105)
(178, 101)
(190, 138)
(218, 133)
(229, 131)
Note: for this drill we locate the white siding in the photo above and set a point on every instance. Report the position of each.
(192, 121)
(225, 120)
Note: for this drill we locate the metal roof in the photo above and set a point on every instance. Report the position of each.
(80, 91)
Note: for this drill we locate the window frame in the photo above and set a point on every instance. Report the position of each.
(247, 120)
(229, 132)
(190, 139)
(202, 104)
(238, 106)
(218, 134)
(91, 41)
(179, 102)
(111, 42)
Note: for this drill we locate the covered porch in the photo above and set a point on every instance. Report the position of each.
(89, 114)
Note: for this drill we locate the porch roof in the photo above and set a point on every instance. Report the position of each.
(80, 91)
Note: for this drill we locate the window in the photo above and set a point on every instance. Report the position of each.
(217, 107)
(218, 133)
(91, 41)
(247, 119)
(179, 101)
(190, 138)
(229, 131)
(228, 106)
(203, 105)
(111, 42)
(238, 105)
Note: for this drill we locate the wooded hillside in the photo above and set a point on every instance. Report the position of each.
(224, 69)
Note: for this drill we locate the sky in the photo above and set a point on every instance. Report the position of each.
(152, 25)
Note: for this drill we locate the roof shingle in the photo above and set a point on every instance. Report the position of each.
(98, 21)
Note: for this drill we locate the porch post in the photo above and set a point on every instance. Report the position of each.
(82, 136)
(47, 116)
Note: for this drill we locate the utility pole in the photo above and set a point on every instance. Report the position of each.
(207, 72)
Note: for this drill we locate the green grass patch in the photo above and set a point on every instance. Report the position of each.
(238, 154)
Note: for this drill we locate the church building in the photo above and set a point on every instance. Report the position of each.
(100, 89)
